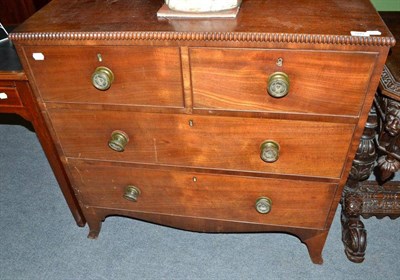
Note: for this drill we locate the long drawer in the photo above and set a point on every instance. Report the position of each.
(320, 82)
(143, 76)
(232, 198)
(226, 143)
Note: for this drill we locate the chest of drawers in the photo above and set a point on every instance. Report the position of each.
(212, 125)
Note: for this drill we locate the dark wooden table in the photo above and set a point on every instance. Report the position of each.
(378, 152)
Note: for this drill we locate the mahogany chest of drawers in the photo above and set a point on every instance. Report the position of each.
(216, 125)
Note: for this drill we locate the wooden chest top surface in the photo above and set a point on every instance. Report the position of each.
(324, 19)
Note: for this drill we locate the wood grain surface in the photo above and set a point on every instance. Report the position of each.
(219, 197)
(306, 148)
(191, 96)
(332, 83)
(12, 98)
(331, 17)
(144, 76)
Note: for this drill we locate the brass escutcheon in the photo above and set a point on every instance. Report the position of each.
(278, 84)
(131, 193)
(269, 151)
(263, 205)
(118, 140)
(102, 78)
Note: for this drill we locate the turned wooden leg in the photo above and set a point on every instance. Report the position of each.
(94, 222)
(354, 235)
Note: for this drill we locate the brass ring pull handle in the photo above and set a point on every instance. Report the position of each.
(278, 84)
(118, 140)
(131, 193)
(269, 151)
(263, 205)
(102, 78)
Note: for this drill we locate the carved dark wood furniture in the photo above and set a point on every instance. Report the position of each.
(378, 151)
(216, 125)
(16, 98)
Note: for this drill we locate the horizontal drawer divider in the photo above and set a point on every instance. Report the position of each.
(200, 170)
(205, 112)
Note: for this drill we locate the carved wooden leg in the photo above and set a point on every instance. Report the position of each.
(389, 138)
(354, 236)
(94, 222)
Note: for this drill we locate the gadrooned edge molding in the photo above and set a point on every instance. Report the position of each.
(208, 36)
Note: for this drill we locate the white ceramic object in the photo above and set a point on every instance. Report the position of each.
(202, 6)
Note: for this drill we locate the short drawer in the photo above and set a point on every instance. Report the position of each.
(9, 96)
(142, 76)
(222, 197)
(305, 147)
(320, 82)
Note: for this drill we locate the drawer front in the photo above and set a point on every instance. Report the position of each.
(305, 148)
(320, 82)
(143, 76)
(294, 203)
(9, 96)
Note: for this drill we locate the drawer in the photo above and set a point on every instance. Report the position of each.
(305, 147)
(9, 96)
(320, 82)
(143, 76)
(232, 198)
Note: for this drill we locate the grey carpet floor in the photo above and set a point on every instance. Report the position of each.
(39, 238)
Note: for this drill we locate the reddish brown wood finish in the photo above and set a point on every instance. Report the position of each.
(11, 95)
(14, 85)
(203, 195)
(330, 19)
(49, 147)
(215, 112)
(144, 76)
(16, 11)
(211, 142)
(222, 80)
